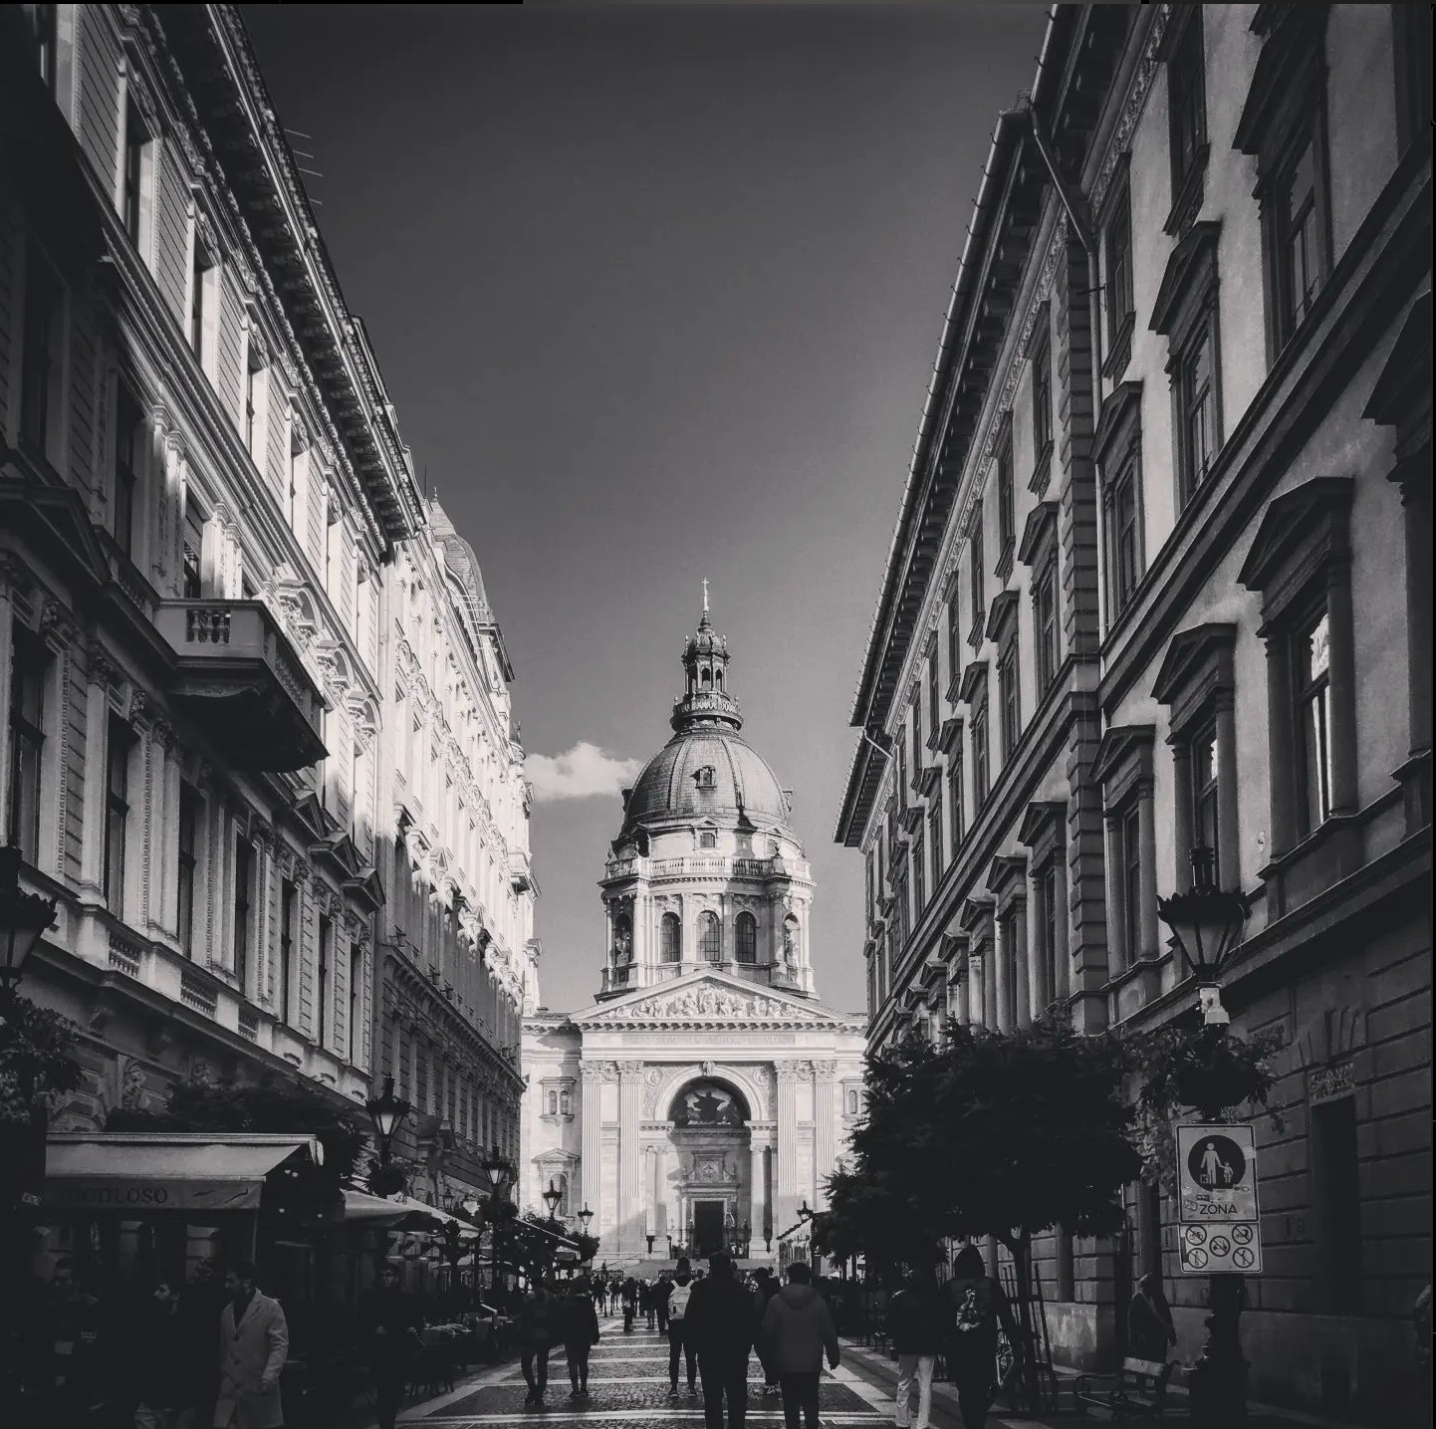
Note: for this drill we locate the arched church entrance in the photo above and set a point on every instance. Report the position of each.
(708, 1130)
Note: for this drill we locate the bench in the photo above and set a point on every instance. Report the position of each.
(1138, 1388)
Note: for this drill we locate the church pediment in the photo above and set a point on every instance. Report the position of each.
(712, 1001)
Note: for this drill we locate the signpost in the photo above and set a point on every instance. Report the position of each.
(1217, 1200)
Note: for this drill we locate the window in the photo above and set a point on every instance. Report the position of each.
(919, 877)
(29, 662)
(254, 380)
(192, 584)
(1336, 1195)
(902, 908)
(954, 637)
(1044, 609)
(201, 300)
(129, 433)
(188, 860)
(1006, 505)
(243, 874)
(1009, 693)
(553, 1104)
(934, 710)
(901, 750)
(1412, 25)
(1007, 1015)
(745, 938)
(954, 797)
(1124, 536)
(287, 929)
(1130, 870)
(917, 738)
(40, 369)
(974, 555)
(1298, 250)
(934, 833)
(1311, 690)
(326, 938)
(979, 752)
(117, 812)
(708, 839)
(670, 938)
(1042, 397)
(356, 990)
(710, 938)
(137, 167)
(1121, 306)
(1205, 791)
(1195, 394)
(565, 1103)
(1187, 105)
(1047, 886)
(44, 31)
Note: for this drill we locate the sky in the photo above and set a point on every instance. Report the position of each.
(656, 291)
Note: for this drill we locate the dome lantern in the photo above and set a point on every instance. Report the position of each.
(706, 698)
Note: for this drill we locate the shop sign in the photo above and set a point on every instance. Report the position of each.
(138, 1194)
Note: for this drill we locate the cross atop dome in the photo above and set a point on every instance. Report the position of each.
(706, 699)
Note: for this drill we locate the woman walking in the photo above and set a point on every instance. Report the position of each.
(580, 1334)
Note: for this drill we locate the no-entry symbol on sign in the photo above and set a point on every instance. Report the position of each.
(1221, 1249)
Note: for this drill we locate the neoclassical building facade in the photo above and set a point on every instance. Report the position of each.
(707, 1088)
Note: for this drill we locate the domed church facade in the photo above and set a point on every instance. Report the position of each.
(707, 1094)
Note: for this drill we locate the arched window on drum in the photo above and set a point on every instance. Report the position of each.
(745, 938)
(670, 938)
(710, 938)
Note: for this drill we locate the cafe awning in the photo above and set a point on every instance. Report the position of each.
(165, 1171)
(401, 1212)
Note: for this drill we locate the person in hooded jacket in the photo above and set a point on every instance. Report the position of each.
(580, 1334)
(721, 1323)
(680, 1344)
(915, 1328)
(538, 1321)
(797, 1329)
(765, 1286)
(977, 1306)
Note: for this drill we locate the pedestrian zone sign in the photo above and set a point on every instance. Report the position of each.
(1221, 1249)
(1216, 1175)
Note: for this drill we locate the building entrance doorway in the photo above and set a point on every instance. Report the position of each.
(707, 1227)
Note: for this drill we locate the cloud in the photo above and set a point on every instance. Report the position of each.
(580, 773)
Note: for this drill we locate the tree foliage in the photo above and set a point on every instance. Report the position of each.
(35, 1057)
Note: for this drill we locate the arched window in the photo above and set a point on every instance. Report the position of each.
(565, 1103)
(745, 938)
(852, 1103)
(710, 938)
(706, 678)
(670, 938)
(718, 678)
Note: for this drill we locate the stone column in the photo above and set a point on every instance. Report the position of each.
(785, 1197)
(1147, 825)
(1022, 965)
(1005, 975)
(1061, 954)
(97, 724)
(169, 850)
(630, 1170)
(825, 1129)
(590, 1166)
(1118, 953)
(650, 1188)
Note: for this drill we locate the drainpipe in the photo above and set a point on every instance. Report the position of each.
(1079, 217)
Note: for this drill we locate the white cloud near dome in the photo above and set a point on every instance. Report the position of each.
(583, 772)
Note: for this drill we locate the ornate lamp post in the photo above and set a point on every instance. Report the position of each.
(23, 917)
(386, 1112)
(1206, 925)
(584, 1217)
(498, 1169)
(551, 1198)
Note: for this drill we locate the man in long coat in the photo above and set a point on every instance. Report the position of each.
(253, 1346)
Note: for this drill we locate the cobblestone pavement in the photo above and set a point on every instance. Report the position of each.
(628, 1384)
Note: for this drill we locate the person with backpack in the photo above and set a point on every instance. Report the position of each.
(915, 1329)
(720, 1323)
(537, 1322)
(977, 1306)
(680, 1344)
(580, 1334)
(630, 1303)
(797, 1329)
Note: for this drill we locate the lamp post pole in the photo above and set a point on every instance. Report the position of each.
(1206, 925)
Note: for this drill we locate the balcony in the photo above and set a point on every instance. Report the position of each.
(521, 874)
(237, 677)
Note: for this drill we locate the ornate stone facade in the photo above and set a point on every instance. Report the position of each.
(688, 1102)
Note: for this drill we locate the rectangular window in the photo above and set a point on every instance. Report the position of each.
(934, 834)
(919, 877)
(29, 663)
(916, 738)
(1131, 866)
(1007, 942)
(136, 144)
(326, 938)
(128, 433)
(43, 28)
(356, 988)
(1336, 1193)
(117, 812)
(288, 930)
(1010, 695)
(979, 753)
(1006, 500)
(1203, 756)
(188, 860)
(974, 551)
(1124, 537)
(954, 798)
(1120, 303)
(1311, 687)
(1297, 240)
(1049, 930)
(203, 301)
(252, 377)
(1187, 80)
(1195, 391)
(1045, 623)
(1042, 398)
(40, 361)
(901, 750)
(192, 584)
(871, 885)
(934, 710)
(954, 637)
(243, 876)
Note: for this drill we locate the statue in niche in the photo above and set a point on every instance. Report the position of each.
(790, 942)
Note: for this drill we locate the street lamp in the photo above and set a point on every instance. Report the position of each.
(1206, 926)
(23, 917)
(551, 1198)
(498, 1169)
(386, 1112)
(470, 1205)
(585, 1216)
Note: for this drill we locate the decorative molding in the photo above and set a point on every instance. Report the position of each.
(1133, 106)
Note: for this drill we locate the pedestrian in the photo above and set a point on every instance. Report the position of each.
(646, 1301)
(915, 1331)
(679, 1343)
(537, 1322)
(159, 1369)
(721, 1322)
(661, 1293)
(797, 1328)
(580, 1334)
(600, 1296)
(630, 1303)
(977, 1306)
(254, 1345)
(765, 1287)
(389, 1324)
(1150, 1331)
